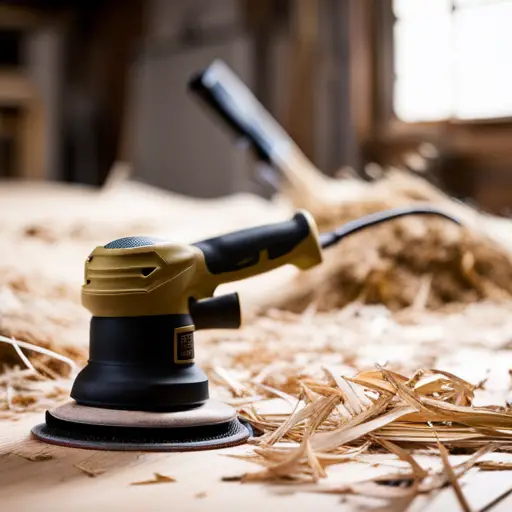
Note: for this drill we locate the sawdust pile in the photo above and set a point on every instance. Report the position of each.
(406, 262)
(337, 420)
(43, 312)
(38, 379)
(411, 261)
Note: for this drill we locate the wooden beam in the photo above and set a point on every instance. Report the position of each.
(16, 91)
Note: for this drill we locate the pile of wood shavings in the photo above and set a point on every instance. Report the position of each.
(338, 419)
(284, 372)
(44, 312)
(34, 387)
(392, 263)
(397, 262)
(280, 347)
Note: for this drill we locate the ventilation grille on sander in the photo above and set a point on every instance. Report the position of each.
(134, 241)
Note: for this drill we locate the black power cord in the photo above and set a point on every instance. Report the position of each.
(333, 237)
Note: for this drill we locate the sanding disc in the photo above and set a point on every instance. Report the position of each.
(212, 425)
(210, 413)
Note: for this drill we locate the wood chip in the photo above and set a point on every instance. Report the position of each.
(158, 479)
(38, 457)
(493, 465)
(90, 472)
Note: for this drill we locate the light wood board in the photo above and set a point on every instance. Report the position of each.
(62, 480)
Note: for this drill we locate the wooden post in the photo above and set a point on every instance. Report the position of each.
(16, 91)
(304, 53)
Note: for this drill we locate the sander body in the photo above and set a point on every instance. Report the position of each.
(141, 389)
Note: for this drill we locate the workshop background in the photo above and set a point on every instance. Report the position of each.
(423, 85)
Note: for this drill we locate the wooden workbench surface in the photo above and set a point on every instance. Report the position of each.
(39, 477)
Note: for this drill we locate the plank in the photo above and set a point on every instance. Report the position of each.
(64, 479)
(60, 484)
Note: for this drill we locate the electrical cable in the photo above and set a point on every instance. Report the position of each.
(333, 237)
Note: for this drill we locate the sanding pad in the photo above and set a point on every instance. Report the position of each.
(212, 425)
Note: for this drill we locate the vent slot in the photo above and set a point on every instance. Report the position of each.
(146, 271)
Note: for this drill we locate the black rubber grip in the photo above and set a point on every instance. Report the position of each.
(230, 98)
(242, 249)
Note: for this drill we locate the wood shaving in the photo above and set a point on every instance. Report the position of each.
(39, 457)
(92, 473)
(158, 479)
(452, 477)
(493, 465)
(440, 479)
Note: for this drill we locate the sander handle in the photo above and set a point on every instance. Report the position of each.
(253, 251)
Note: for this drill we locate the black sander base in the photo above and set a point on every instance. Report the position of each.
(212, 425)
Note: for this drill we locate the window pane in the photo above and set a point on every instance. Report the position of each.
(423, 67)
(420, 8)
(469, 3)
(483, 61)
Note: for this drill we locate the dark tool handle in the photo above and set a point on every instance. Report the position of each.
(256, 250)
(226, 94)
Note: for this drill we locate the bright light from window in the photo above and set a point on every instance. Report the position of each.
(453, 62)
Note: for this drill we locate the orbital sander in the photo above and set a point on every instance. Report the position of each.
(141, 389)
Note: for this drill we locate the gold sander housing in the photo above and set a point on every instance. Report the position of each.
(141, 389)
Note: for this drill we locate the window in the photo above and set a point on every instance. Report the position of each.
(453, 59)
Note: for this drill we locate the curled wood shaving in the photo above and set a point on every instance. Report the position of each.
(420, 263)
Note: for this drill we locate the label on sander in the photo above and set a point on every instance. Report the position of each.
(184, 344)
